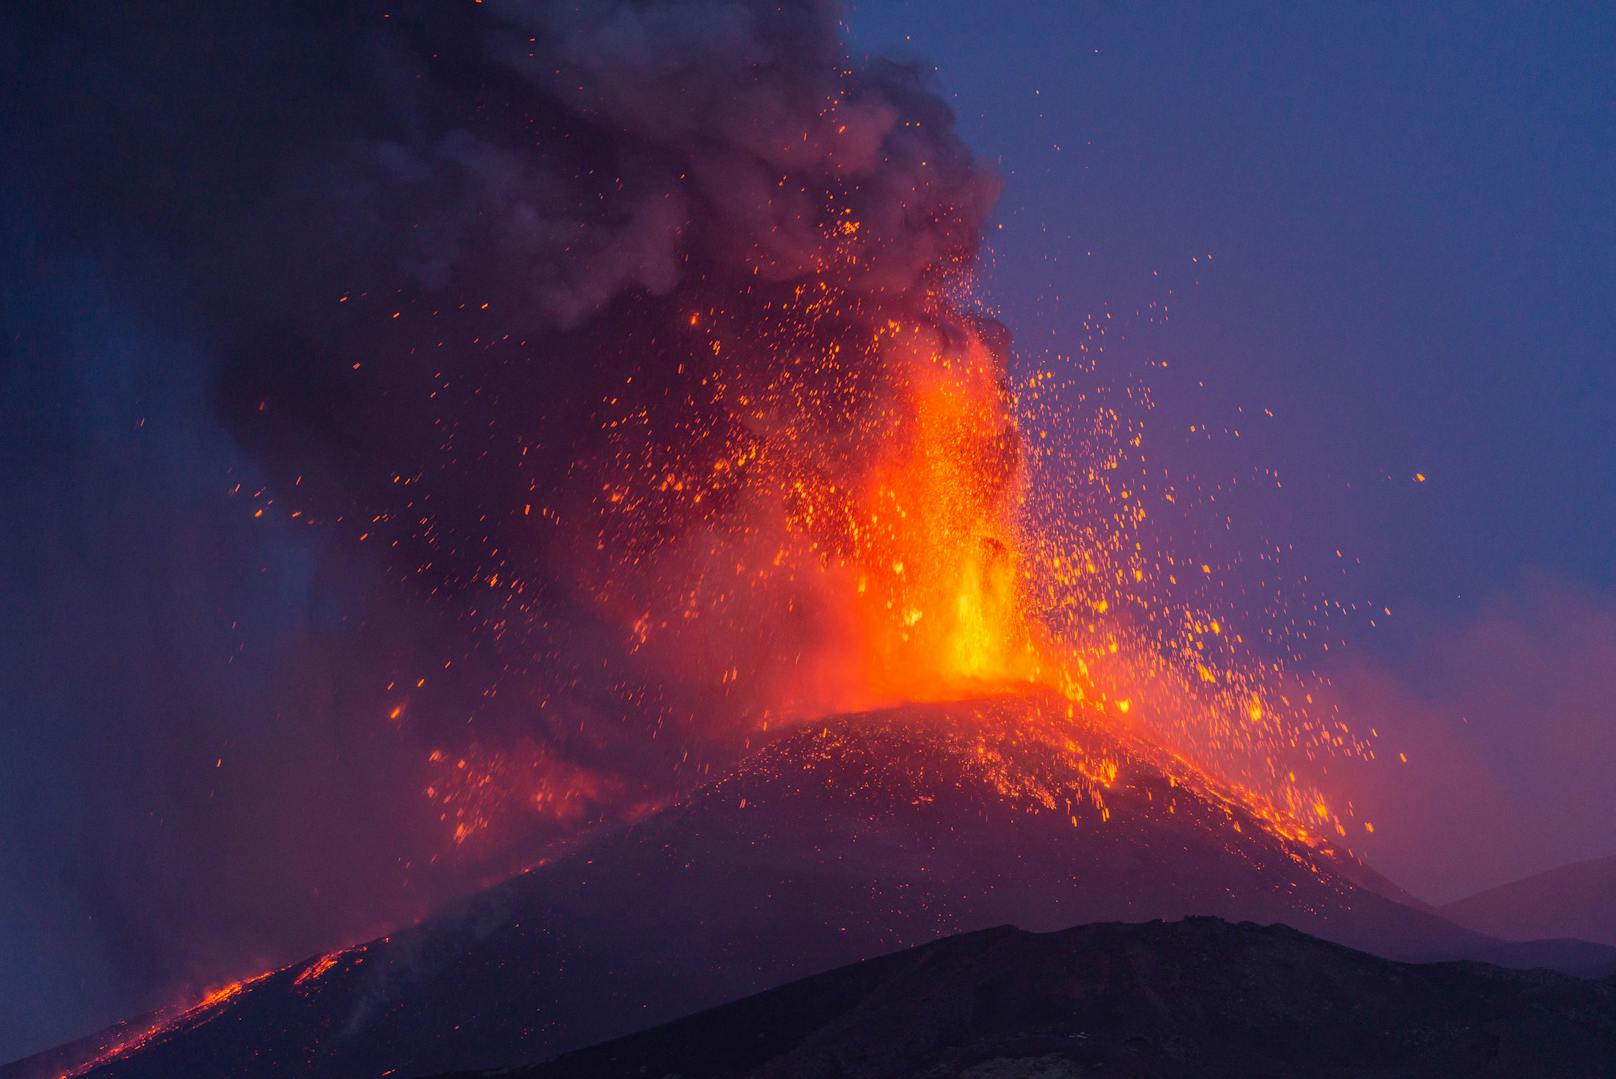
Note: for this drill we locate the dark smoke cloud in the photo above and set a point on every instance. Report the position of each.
(381, 267)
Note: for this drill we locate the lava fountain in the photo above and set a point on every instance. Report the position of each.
(628, 354)
(674, 412)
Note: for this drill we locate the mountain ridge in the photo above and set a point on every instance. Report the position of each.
(1576, 900)
(1196, 997)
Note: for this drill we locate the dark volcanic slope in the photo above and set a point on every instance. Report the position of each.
(1577, 900)
(1194, 998)
(835, 843)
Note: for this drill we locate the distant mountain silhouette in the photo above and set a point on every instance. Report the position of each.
(1201, 997)
(836, 842)
(1576, 900)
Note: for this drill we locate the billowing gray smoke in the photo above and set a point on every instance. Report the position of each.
(381, 272)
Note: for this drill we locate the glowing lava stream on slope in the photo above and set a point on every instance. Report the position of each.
(203, 1011)
(211, 1006)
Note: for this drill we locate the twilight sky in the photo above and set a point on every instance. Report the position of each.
(1392, 230)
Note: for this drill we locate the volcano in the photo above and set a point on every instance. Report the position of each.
(838, 841)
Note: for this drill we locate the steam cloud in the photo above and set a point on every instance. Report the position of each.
(447, 278)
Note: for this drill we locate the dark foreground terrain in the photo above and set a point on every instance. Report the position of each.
(1192, 998)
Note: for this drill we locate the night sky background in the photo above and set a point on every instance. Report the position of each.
(1393, 230)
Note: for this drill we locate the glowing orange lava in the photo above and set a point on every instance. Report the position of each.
(848, 503)
(203, 1011)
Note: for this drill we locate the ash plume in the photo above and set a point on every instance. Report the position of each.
(541, 358)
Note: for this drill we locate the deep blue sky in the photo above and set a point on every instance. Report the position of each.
(1413, 246)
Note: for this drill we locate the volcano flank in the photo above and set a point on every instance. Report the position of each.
(837, 841)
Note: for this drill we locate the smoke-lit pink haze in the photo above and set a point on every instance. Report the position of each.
(1508, 720)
